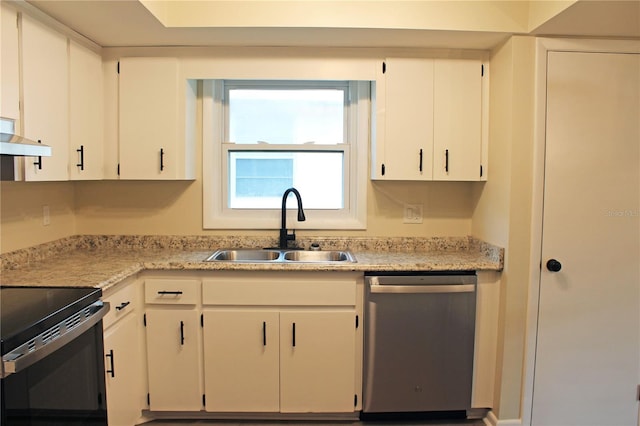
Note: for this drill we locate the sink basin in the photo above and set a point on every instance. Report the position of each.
(319, 256)
(245, 255)
(282, 256)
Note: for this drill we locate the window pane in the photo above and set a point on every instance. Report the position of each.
(257, 179)
(286, 116)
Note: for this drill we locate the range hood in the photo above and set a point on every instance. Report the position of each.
(14, 145)
(18, 146)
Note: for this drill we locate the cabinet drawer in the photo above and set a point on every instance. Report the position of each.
(282, 293)
(172, 292)
(123, 301)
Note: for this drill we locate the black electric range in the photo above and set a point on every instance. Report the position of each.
(26, 312)
(52, 369)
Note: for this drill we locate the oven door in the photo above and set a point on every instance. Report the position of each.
(66, 387)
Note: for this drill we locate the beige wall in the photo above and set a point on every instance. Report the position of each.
(21, 213)
(175, 208)
(503, 212)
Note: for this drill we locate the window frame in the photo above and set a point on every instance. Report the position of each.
(216, 214)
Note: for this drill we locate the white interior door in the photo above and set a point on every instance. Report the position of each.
(587, 366)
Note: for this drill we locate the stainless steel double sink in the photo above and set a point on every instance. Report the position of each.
(282, 256)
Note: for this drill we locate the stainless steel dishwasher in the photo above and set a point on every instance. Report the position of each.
(419, 340)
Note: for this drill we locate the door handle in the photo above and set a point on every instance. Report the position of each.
(553, 265)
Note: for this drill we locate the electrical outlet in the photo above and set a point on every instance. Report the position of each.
(412, 213)
(46, 216)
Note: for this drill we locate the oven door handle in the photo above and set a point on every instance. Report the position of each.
(413, 289)
(19, 359)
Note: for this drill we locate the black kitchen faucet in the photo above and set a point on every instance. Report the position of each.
(285, 237)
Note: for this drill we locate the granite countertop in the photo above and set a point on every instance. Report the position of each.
(104, 261)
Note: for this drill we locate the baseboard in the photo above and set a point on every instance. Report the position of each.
(491, 420)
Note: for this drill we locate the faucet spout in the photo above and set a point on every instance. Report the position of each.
(285, 237)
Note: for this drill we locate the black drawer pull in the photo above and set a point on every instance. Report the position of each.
(81, 152)
(294, 335)
(446, 160)
(122, 306)
(175, 293)
(264, 333)
(112, 371)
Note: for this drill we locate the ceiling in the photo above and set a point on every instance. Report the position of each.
(472, 24)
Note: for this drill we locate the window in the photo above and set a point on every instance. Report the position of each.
(262, 137)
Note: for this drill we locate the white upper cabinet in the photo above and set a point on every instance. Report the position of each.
(156, 117)
(405, 120)
(45, 79)
(9, 65)
(86, 113)
(428, 122)
(457, 124)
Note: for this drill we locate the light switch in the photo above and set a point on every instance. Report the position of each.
(412, 213)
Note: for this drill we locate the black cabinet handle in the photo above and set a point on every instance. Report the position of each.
(264, 333)
(294, 335)
(39, 162)
(112, 371)
(446, 160)
(161, 159)
(170, 292)
(81, 152)
(382, 170)
(420, 160)
(181, 333)
(122, 306)
(553, 265)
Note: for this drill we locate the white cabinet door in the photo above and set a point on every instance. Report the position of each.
(457, 131)
(46, 99)
(9, 64)
(123, 377)
(429, 120)
(173, 361)
(153, 110)
(404, 134)
(317, 361)
(241, 361)
(86, 113)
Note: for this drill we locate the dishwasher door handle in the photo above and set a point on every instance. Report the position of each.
(410, 289)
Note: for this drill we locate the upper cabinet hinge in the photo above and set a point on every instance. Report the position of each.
(384, 67)
(482, 70)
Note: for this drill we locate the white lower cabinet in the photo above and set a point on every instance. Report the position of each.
(290, 361)
(241, 361)
(172, 323)
(281, 342)
(317, 361)
(124, 363)
(173, 359)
